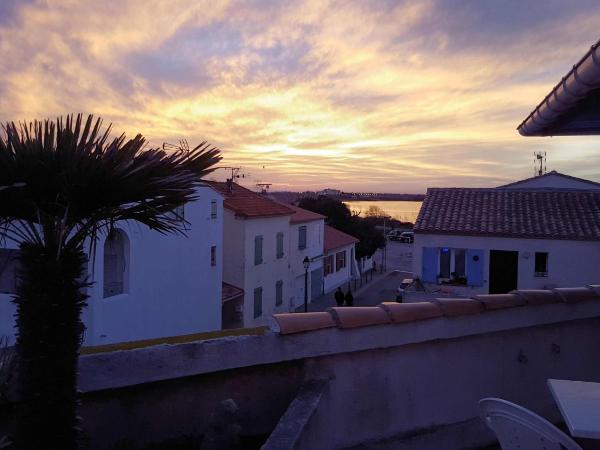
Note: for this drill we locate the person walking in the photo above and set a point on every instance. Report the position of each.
(349, 298)
(339, 296)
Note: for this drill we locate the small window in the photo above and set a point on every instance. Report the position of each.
(279, 293)
(279, 245)
(213, 255)
(328, 265)
(541, 264)
(213, 209)
(257, 302)
(8, 271)
(340, 260)
(116, 255)
(258, 247)
(302, 237)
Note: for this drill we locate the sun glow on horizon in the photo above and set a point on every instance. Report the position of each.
(373, 96)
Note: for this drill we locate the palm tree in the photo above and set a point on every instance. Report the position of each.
(61, 184)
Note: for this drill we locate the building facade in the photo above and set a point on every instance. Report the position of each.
(339, 260)
(306, 241)
(497, 240)
(146, 285)
(256, 253)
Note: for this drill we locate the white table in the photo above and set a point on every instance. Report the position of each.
(579, 404)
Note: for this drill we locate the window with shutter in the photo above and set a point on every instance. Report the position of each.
(258, 254)
(213, 255)
(8, 271)
(116, 270)
(279, 245)
(279, 293)
(302, 237)
(213, 209)
(257, 302)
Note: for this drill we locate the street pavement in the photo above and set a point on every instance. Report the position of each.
(381, 286)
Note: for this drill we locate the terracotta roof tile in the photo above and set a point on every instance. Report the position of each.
(410, 312)
(358, 316)
(499, 301)
(303, 215)
(552, 214)
(537, 296)
(245, 203)
(452, 307)
(297, 323)
(577, 294)
(336, 239)
(230, 292)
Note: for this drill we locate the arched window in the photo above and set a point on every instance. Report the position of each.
(116, 263)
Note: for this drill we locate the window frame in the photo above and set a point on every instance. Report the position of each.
(540, 273)
(340, 261)
(257, 311)
(279, 293)
(258, 250)
(279, 247)
(213, 209)
(213, 256)
(9, 262)
(302, 237)
(328, 265)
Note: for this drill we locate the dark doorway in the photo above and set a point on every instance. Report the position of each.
(504, 267)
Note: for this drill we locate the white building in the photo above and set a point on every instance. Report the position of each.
(255, 253)
(497, 240)
(306, 241)
(553, 180)
(147, 285)
(339, 261)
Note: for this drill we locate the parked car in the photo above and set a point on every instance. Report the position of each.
(394, 235)
(407, 237)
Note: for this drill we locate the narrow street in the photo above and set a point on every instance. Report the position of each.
(382, 287)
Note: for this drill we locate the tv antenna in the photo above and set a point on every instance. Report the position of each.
(235, 173)
(264, 187)
(539, 164)
(183, 146)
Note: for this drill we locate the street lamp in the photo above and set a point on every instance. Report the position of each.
(306, 263)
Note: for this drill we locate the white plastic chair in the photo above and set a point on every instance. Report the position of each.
(518, 428)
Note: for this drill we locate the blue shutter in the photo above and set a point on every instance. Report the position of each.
(279, 293)
(475, 265)
(430, 264)
(258, 250)
(279, 245)
(257, 302)
(302, 237)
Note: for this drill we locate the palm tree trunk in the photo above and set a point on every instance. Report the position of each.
(49, 301)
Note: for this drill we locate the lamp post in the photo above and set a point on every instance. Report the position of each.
(306, 263)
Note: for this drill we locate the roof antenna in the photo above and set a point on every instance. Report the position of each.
(539, 164)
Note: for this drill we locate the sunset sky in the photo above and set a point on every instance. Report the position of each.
(383, 96)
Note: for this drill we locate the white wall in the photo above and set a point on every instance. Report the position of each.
(570, 263)
(314, 250)
(173, 289)
(271, 270)
(339, 278)
(553, 181)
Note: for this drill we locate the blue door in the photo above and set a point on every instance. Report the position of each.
(430, 264)
(475, 266)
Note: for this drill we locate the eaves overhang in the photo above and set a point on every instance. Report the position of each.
(573, 105)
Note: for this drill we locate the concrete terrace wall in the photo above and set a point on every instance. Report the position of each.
(413, 384)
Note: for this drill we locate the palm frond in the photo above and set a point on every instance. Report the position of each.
(65, 178)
